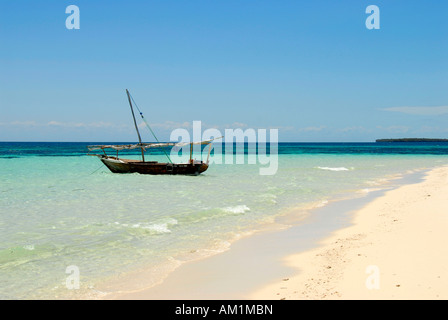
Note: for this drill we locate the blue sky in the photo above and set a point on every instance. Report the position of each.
(309, 68)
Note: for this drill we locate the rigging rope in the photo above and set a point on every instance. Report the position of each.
(97, 169)
(147, 125)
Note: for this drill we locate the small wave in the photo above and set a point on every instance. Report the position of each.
(321, 204)
(368, 190)
(153, 228)
(268, 198)
(237, 209)
(158, 228)
(334, 169)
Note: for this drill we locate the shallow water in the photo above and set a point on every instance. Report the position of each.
(61, 208)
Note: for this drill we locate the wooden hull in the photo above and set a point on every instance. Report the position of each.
(152, 167)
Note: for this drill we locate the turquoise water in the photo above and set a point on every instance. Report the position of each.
(61, 208)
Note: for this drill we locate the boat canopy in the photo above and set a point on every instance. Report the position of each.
(148, 145)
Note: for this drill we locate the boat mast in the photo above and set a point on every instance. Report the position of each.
(135, 123)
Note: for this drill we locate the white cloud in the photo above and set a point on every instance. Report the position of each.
(231, 126)
(169, 125)
(239, 125)
(429, 129)
(395, 129)
(312, 129)
(22, 123)
(358, 129)
(79, 124)
(428, 111)
(29, 124)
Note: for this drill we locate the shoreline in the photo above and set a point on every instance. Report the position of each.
(253, 262)
(393, 249)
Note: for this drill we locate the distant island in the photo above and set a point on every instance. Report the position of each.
(412, 140)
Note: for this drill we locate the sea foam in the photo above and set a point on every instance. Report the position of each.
(333, 169)
(156, 228)
(237, 209)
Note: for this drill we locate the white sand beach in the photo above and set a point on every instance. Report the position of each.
(395, 249)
